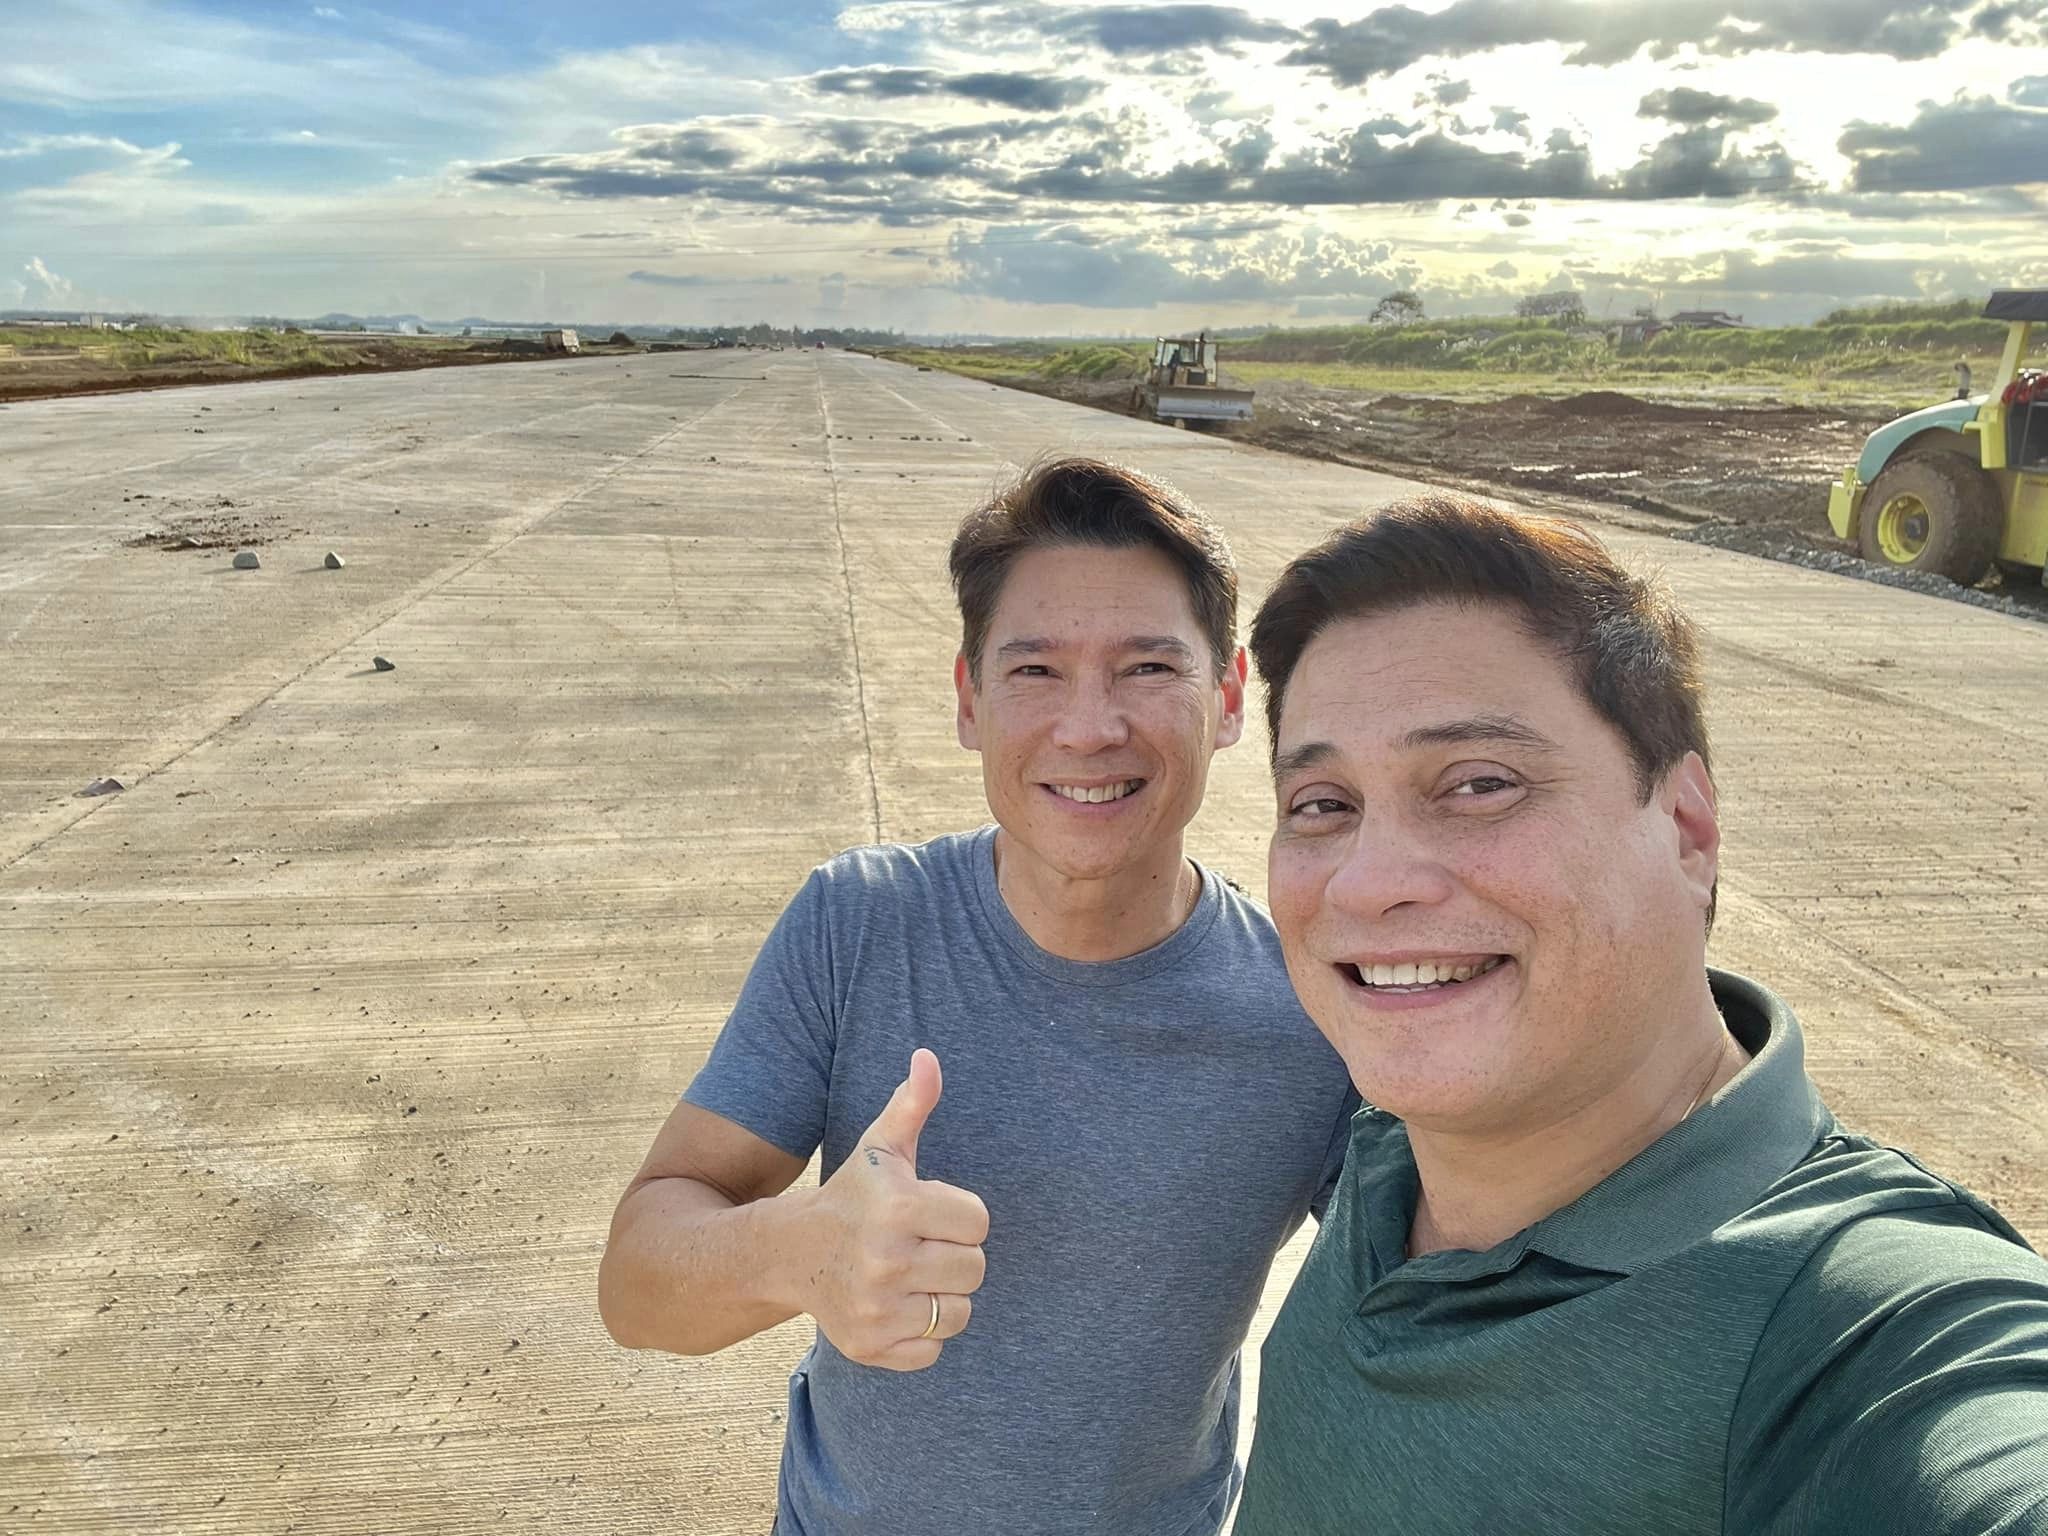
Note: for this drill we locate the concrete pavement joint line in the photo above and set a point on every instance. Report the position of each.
(386, 615)
(860, 685)
(921, 410)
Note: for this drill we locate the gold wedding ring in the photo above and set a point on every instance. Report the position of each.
(932, 1327)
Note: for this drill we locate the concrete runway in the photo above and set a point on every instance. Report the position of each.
(330, 1042)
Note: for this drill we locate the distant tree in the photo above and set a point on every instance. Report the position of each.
(1563, 305)
(1397, 308)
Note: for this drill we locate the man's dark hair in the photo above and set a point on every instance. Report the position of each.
(1634, 656)
(1088, 501)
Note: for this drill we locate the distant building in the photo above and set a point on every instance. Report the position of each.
(561, 341)
(1706, 320)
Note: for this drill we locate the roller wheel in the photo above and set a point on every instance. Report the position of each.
(1936, 512)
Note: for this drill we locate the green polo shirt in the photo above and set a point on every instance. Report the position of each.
(1761, 1325)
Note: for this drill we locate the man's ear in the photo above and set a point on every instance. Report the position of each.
(1689, 792)
(1230, 723)
(963, 720)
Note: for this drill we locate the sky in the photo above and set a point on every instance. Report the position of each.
(1018, 167)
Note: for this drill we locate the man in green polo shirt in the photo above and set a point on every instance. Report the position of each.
(1601, 1260)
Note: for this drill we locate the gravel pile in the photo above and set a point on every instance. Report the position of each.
(1771, 544)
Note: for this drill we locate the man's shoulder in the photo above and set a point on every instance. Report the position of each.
(1899, 1382)
(1244, 918)
(1886, 1235)
(906, 872)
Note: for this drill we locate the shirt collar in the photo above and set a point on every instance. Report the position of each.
(1701, 1173)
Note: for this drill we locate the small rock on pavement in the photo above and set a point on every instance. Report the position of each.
(382, 665)
(246, 561)
(334, 562)
(102, 787)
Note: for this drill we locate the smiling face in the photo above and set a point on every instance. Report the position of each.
(1477, 906)
(1097, 709)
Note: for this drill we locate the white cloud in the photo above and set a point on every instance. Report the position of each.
(52, 143)
(326, 13)
(50, 290)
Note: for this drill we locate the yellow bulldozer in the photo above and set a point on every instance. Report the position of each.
(1184, 385)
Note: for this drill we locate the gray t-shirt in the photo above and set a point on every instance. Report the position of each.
(1146, 1133)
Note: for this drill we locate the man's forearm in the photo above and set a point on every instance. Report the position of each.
(689, 1272)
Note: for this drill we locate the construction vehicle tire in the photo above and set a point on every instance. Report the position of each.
(1934, 512)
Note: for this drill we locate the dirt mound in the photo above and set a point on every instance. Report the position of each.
(1609, 405)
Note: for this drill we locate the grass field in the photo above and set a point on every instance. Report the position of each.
(162, 346)
(1894, 358)
(35, 360)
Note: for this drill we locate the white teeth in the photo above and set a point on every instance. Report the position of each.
(1427, 973)
(1098, 794)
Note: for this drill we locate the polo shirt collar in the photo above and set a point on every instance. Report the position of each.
(1711, 1166)
(1703, 1172)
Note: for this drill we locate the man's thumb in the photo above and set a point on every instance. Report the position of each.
(897, 1127)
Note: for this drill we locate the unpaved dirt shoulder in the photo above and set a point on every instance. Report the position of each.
(66, 377)
(1751, 478)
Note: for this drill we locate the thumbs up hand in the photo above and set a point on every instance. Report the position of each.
(898, 1257)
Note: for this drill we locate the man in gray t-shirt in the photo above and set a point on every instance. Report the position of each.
(1068, 1106)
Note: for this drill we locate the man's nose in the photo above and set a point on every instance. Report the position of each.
(1385, 866)
(1090, 720)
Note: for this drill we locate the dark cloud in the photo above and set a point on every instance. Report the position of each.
(1449, 93)
(1012, 168)
(1683, 104)
(1033, 265)
(1696, 162)
(1515, 220)
(1970, 142)
(1250, 150)
(1020, 92)
(1356, 169)
(1128, 29)
(997, 131)
(698, 148)
(1501, 269)
(1512, 120)
(1392, 38)
(2030, 92)
(624, 234)
(2013, 21)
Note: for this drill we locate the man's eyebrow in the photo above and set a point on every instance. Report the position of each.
(1300, 759)
(1038, 645)
(1033, 645)
(1173, 645)
(1480, 728)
